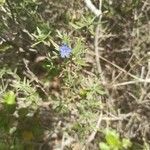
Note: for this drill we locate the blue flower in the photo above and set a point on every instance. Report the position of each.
(65, 50)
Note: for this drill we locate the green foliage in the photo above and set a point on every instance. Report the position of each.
(41, 36)
(113, 141)
(2, 2)
(33, 73)
(86, 21)
(9, 98)
(146, 146)
(78, 52)
(16, 106)
(104, 146)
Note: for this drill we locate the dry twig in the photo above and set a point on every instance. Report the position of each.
(96, 42)
(92, 136)
(90, 5)
(33, 77)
